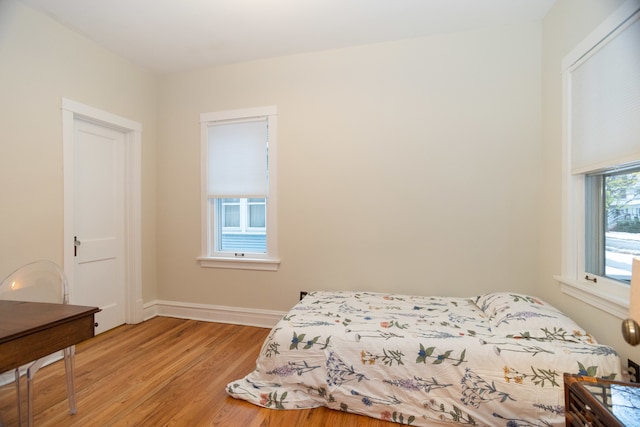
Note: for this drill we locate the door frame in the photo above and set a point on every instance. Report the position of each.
(132, 130)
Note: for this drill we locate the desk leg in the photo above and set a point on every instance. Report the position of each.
(69, 353)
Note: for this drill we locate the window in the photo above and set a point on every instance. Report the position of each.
(601, 162)
(243, 225)
(612, 230)
(239, 189)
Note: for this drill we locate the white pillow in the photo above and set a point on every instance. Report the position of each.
(523, 316)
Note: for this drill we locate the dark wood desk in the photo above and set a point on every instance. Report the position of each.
(597, 402)
(31, 330)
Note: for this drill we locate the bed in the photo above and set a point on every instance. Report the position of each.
(495, 359)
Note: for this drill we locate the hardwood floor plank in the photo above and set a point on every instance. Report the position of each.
(163, 372)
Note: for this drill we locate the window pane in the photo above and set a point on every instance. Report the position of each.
(243, 242)
(237, 216)
(622, 213)
(257, 216)
(231, 216)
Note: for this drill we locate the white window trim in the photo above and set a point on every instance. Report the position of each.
(607, 295)
(270, 262)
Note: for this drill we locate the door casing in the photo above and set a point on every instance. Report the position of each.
(72, 110)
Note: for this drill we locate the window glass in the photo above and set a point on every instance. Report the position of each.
(257, 213)
(613, 223)
(243, 227)
(622, 212)
(231, 215)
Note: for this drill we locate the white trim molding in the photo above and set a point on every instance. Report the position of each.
(133, 197)
(240, 263)
(608, 303)
(213, 313)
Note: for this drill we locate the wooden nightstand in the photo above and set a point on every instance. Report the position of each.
(595, 402)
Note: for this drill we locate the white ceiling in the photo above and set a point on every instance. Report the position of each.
(174, 35)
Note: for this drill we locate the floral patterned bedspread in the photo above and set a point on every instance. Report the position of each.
(494, 359)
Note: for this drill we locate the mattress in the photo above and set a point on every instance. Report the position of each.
(492, 359)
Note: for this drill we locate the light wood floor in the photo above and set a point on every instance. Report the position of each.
(163, 372)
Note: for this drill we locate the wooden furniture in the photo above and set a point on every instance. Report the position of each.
(594, 402)
(32, 330)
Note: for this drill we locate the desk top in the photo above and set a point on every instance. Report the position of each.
(20, 318)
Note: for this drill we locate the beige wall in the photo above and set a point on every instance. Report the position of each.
(410, 167)
(42, 62)
(568, 23)
(414, 166)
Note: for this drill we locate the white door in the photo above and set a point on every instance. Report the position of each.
(99, 218)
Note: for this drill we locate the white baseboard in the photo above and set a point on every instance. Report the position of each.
(213, 313)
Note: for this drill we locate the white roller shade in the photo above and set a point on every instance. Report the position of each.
(237, 156)
(605, 102)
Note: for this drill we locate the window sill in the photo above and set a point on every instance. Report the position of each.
(613, 305)
(265, 264)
